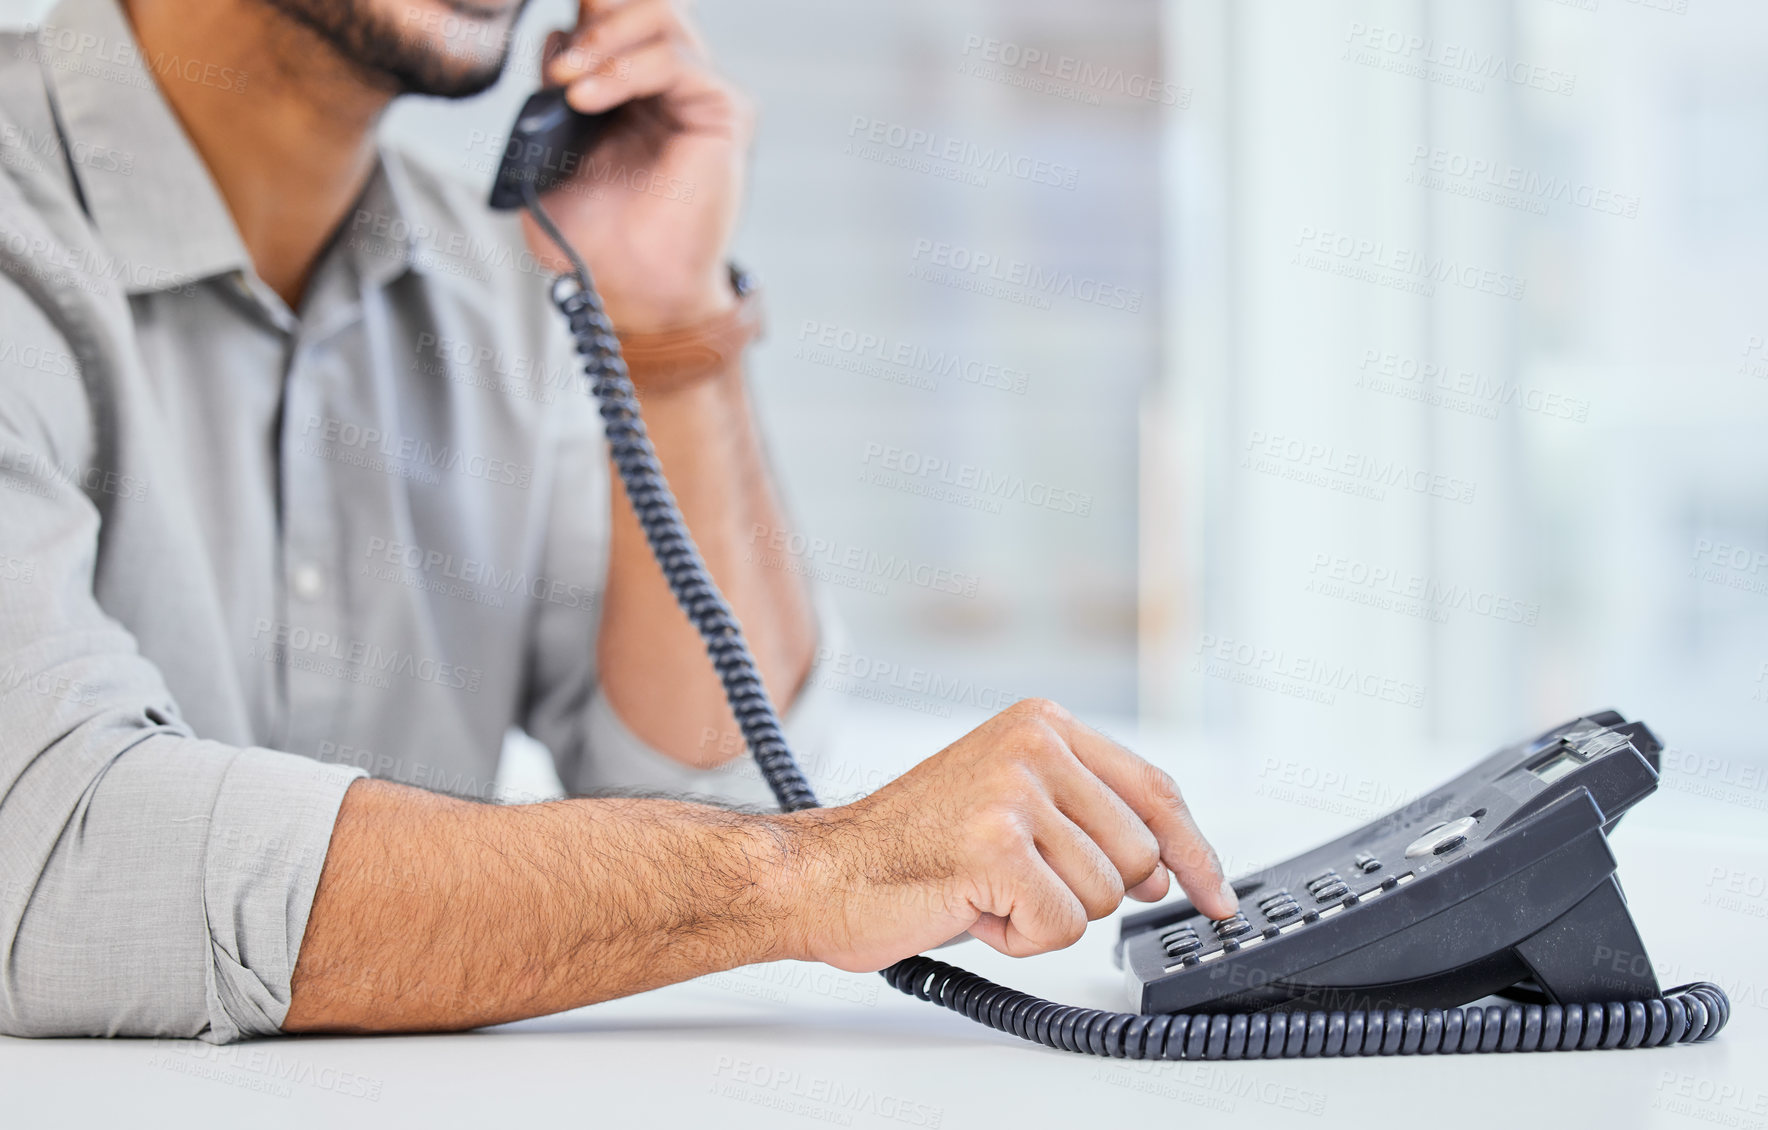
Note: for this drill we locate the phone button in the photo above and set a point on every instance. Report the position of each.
(1181, 943)
(1230, 927)
(1441, 839)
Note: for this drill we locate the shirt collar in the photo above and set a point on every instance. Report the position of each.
(159, 212)
(155, 206)
(381, 232)
(411, 217)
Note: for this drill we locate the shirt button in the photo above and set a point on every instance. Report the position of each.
(309, 582)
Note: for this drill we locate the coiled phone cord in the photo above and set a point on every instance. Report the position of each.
(636, 461)
(1687, 1014)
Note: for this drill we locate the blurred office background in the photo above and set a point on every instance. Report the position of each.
(1320, 376)
(1438, 412)
(1599, 532)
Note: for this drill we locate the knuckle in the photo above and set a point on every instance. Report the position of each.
(1003, 831)
(1028, 740)
(1021, 946)
(1143, 859)
(1040, 748)
(1161, 787)
(1039, 710)
(1070, 930)
(1103, 901)
(1011, 779)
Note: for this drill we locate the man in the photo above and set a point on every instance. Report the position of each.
(284, 474)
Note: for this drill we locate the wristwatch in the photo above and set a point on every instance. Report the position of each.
(670, 360)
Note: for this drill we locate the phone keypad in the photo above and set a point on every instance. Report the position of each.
(1282, 911)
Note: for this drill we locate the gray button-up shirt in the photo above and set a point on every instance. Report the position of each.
(248, 553)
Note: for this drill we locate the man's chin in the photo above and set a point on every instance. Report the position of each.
(441, 76)
(451, 48)
(441, 48)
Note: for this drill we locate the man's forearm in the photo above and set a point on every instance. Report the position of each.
(435, 914)
(653, 663)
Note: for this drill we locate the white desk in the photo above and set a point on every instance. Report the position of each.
(803, 1046)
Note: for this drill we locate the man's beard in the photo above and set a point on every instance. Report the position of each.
(403, 60)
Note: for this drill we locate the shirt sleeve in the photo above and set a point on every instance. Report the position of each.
(568, 712)
(151, 882)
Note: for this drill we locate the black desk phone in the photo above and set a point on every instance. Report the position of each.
(1500, 881)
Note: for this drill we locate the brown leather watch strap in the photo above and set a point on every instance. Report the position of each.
(671, 360)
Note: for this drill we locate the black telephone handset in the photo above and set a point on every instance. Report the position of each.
(1501, 881)
(547, 144)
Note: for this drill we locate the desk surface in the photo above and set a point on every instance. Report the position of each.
(798, 1045)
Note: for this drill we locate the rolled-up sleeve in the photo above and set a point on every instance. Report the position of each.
(151, 883)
